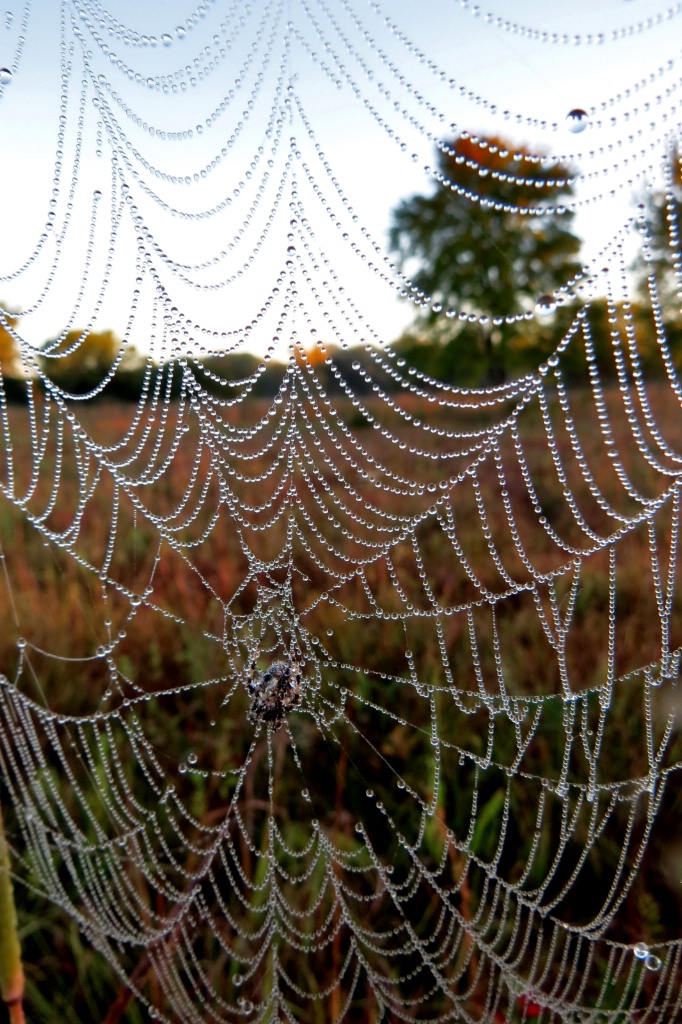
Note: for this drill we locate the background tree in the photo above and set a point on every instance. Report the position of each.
(486, 258)
(662, 250)
(14, 383)
(10, 354)
(81, 361)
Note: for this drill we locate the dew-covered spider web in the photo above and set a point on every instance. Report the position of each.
(335, 689)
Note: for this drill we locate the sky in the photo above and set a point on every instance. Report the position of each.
(74, 260)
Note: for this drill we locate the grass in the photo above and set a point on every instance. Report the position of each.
(176, 664)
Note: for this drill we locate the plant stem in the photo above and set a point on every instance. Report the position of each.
(11, 970)
(16, 1012)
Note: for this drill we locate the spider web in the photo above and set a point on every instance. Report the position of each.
(456, 817)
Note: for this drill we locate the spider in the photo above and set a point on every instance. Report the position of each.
(274, 692)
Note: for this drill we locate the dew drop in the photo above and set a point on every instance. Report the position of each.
(238, 980)
(166, 39)
(192, 758)
(305, 794)
(180, 32)
(97, 195)
(546, 305)
(653, 963)
(5, 76)
(577, 120)
(641, 950)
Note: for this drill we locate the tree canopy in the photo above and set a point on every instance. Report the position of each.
(486, 242)
(82, 360)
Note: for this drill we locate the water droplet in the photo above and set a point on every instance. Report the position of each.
(192, 758)
(577, 120)
(370, 793)
(546, 305)
(180, 32)
(238, 979)
(305, 794)
(166, 39)
(653, 962)
(359, 828)
(641, 950)
(400, 784)
(21, 643)
(5, 76)
(97, 195)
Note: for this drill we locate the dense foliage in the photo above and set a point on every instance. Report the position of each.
(487, 241)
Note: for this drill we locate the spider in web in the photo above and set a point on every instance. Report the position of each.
(274, 692)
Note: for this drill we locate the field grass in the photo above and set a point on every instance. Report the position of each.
(175, 659)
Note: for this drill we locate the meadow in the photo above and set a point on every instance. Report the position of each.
(56, 608)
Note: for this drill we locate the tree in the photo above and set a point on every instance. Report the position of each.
(468, 245)
(10, 354)
(662, 245)
(82, 360)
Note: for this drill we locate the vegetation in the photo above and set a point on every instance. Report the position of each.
(11, 366)
(340, 766)
(11, 971)
(661, 215)
(492, 260)
(657, 269)
(10, 355)
(81, 362)
(482, 244)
